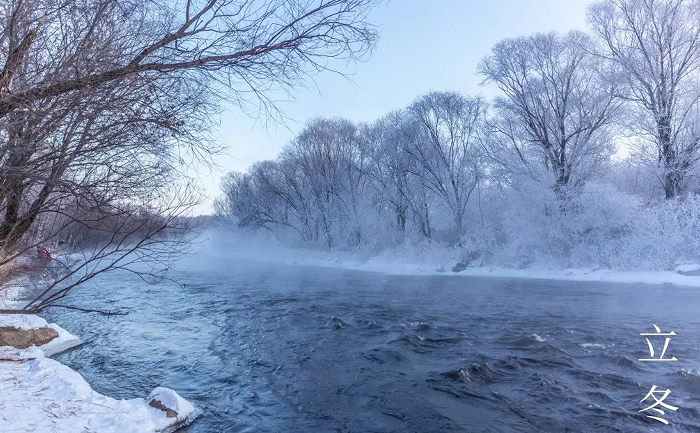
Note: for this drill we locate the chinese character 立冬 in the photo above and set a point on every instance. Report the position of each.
(658, 333)
(658, 401)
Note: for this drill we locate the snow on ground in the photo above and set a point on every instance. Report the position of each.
(22, 321)
(40, 395)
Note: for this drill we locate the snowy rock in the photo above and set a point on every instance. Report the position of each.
(23, 338)
(43, 335)
(29, 337)
(171, 403)
(688, 270)
(9, 353)
(459, 267)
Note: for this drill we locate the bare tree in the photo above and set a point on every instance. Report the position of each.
(142, 239)
(104, 103)
(81, 44)
(655, 45)
(269, 195)
(555, 110)
(68, 57)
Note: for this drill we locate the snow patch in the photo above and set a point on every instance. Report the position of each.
(22, 321)
(43, 395)
(12, 291)
(534, 273)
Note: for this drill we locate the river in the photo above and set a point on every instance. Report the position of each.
(262, 347)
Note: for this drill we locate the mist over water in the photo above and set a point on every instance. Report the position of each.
(266, 347)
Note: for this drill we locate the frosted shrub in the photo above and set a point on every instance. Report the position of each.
(600, 227)
(485, 235)
(528, 222)
(665, 234)
(586, 228)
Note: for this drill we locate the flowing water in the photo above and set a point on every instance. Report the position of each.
(269, 348)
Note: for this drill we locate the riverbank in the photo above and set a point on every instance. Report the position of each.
(533, 273)
(220, 244)
(40, 395)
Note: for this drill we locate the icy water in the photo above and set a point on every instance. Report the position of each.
(269, 348)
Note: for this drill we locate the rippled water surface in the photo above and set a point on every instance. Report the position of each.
(269, 348)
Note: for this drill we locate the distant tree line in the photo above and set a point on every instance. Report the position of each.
(537, 170)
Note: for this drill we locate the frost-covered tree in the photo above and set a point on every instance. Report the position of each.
(655, 45)
(555, 110)
(329, 155)
(258, 197)
(319, 187)
(397, 189)
(389, 167)
(443, 152)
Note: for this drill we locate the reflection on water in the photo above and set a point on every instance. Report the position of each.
(267, 348)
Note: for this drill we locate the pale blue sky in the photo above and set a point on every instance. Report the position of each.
(424, 45)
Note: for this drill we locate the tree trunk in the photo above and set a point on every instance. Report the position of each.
(672, 184)
(672, 176)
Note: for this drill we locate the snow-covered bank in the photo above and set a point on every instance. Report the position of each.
(39, 394)
(443, 268)
(570, 274)
(220, 244)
